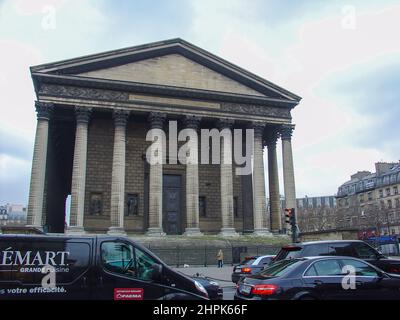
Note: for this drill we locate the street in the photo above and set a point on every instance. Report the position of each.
(221, 275)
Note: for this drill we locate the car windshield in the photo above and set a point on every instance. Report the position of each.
(280, 268)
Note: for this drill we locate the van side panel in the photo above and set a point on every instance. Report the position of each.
(45, 268)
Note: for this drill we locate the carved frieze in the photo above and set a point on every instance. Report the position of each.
(113, 95)
(81, 92)
(256, 110)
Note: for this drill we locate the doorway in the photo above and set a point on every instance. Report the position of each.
(172, 204)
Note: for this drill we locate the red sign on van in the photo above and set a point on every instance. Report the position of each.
(128, 293)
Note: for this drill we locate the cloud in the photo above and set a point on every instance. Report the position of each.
(14, 177)
(138, 22)
(15, 145)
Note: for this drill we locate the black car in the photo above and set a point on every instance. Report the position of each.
(88, 267)
(250, 265)
(351, 248)
(320, 278)
(214, 290)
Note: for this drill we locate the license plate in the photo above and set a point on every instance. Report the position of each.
(245, 289)
(238, 270)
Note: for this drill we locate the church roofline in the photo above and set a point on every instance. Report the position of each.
(131, 54)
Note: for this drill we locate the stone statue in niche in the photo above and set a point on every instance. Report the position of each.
(96, 204)
(132, 205)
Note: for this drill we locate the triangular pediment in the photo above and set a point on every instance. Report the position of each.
(172, 70)
(172, 63)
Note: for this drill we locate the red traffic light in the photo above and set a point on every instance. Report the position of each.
(290, 216)
(288, 212)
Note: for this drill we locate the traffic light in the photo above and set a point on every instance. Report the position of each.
(291, 219)
(290, 216)
(287, 215)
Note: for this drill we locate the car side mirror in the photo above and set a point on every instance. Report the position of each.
(157, 272)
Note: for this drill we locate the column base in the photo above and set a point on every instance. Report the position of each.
(116, 232)
(262, 232)
(192, 232)
(228, 232)
(74, 230)
(155, 232)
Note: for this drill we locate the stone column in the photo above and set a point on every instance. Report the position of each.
(227, 214)
(118, 174)
(288, 171)
(274, 197)
(259, 197)
(38, 173)
(79, 171)
(157, 121)
(192, 179)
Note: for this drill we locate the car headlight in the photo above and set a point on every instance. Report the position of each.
(200, 288)
(214, 283)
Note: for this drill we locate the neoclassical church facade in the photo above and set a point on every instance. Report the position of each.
(93, 116)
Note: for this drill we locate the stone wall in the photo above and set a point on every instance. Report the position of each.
(329, 235)
(99, 172)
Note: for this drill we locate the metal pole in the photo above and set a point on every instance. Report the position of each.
(205, 256)
(177, 256)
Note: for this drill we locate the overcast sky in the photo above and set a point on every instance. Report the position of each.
(341, 57)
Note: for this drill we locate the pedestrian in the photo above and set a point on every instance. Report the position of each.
(220, 258)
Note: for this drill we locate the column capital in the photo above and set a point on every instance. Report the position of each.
(272, 137)
(286, 131)
(44, 110)
(258, 127)
(82, 114)
(157, 120)
(225, 124)
(192, 122)
(120, 117)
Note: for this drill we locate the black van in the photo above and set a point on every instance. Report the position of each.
(88, 267)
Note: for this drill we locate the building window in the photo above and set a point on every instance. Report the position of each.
(202, 206)
(397, 203)
(387, 192)
(235, 206)
(395, 190)
(390, 204)
(381, 193)
(361, 197)
(96, 204)
(382, 204)
(132, 204)
(346, 202)
(369, 196)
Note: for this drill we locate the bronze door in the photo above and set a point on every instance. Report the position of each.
(172, 204)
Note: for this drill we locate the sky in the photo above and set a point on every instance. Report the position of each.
(341, 57)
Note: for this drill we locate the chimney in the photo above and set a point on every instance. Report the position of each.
(382, 167)
(360, 175)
